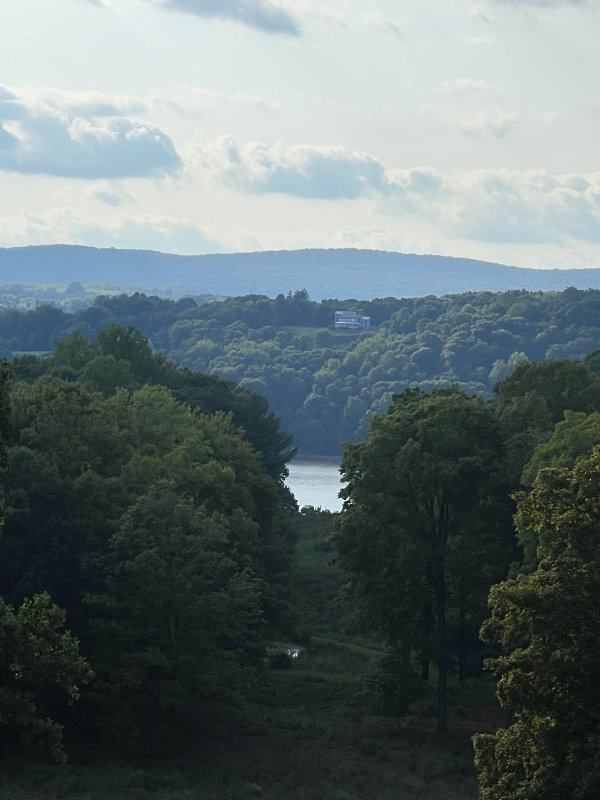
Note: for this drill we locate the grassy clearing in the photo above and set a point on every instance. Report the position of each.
(308, 737)
(309, 733)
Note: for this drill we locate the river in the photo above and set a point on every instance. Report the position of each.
(315, 483)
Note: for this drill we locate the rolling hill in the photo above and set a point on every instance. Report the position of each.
(342, 273)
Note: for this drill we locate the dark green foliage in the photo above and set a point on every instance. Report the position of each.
(159, 531)
(323, 383)
(4, 409)
(36, 656)
(573, 438)
(424, 525)
(121, 358)
(179, 619)
(556, 385)
(533, 399)
(547, 625)
(37, 661)
(393, 685)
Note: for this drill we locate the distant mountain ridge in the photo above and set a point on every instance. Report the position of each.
(335, 273)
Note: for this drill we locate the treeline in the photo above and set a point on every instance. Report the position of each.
(324, 384)
(152, 516)
(144, 507)
(426, 541)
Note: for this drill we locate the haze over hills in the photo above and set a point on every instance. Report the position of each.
(341, 273)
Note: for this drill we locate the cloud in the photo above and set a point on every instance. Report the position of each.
(145, 231)
(197, 101)
(382, 24)
(79, 134)
(546, 3)
(339, 14)
(530, 207)
(477, 41)
(277, 16)
(111, 193)
(482, 205)
(470, 106)
(501, 206)
(482, 212)
(264, 15)
(308, 171)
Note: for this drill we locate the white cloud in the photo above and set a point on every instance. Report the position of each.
(477, 41)
(308, 171)
(283, 16)
(197, 101)
(546, 3)
(503, 206)
(342, 15)
(470, 106)
(382, 24)
(80, 134)
(110, 192)
(268, 16)
(144, 231)
(484, 213)
(483, 205)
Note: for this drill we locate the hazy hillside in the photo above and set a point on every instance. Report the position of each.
(324, 273)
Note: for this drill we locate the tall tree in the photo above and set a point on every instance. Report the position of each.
(4, 422)
(572, 438)
(533, 399)
(422, 506)
(36, 655)
(178, 625)
(547, 624)
(37, 658)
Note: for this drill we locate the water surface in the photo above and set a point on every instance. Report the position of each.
(315, 483)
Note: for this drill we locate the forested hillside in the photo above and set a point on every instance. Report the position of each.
(324, 384)
(156, 524)
(342, 273)
(153, 567)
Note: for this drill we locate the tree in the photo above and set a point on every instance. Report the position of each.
(160, 523)
(572, 438)
(36, 659)
(559, 384)
(178, 625)
(422, 507)
(547, 624)
(4, 421)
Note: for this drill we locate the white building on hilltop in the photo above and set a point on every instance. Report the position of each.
(350, 320)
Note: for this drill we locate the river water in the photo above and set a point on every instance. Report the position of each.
(315, 483)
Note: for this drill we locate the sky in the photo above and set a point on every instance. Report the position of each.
(465, 128)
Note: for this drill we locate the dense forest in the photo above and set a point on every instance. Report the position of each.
(154, 568)
(324, 384)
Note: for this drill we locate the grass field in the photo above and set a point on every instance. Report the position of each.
(309, 733)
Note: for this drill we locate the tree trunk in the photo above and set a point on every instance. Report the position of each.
(427, 628)
(440, 603)
(462, 644)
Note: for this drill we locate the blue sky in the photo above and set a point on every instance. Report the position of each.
(456, 127)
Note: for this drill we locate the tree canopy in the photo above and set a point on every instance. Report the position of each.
(156, 527)
(547, 625)
(322, 383)
(423, 521)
